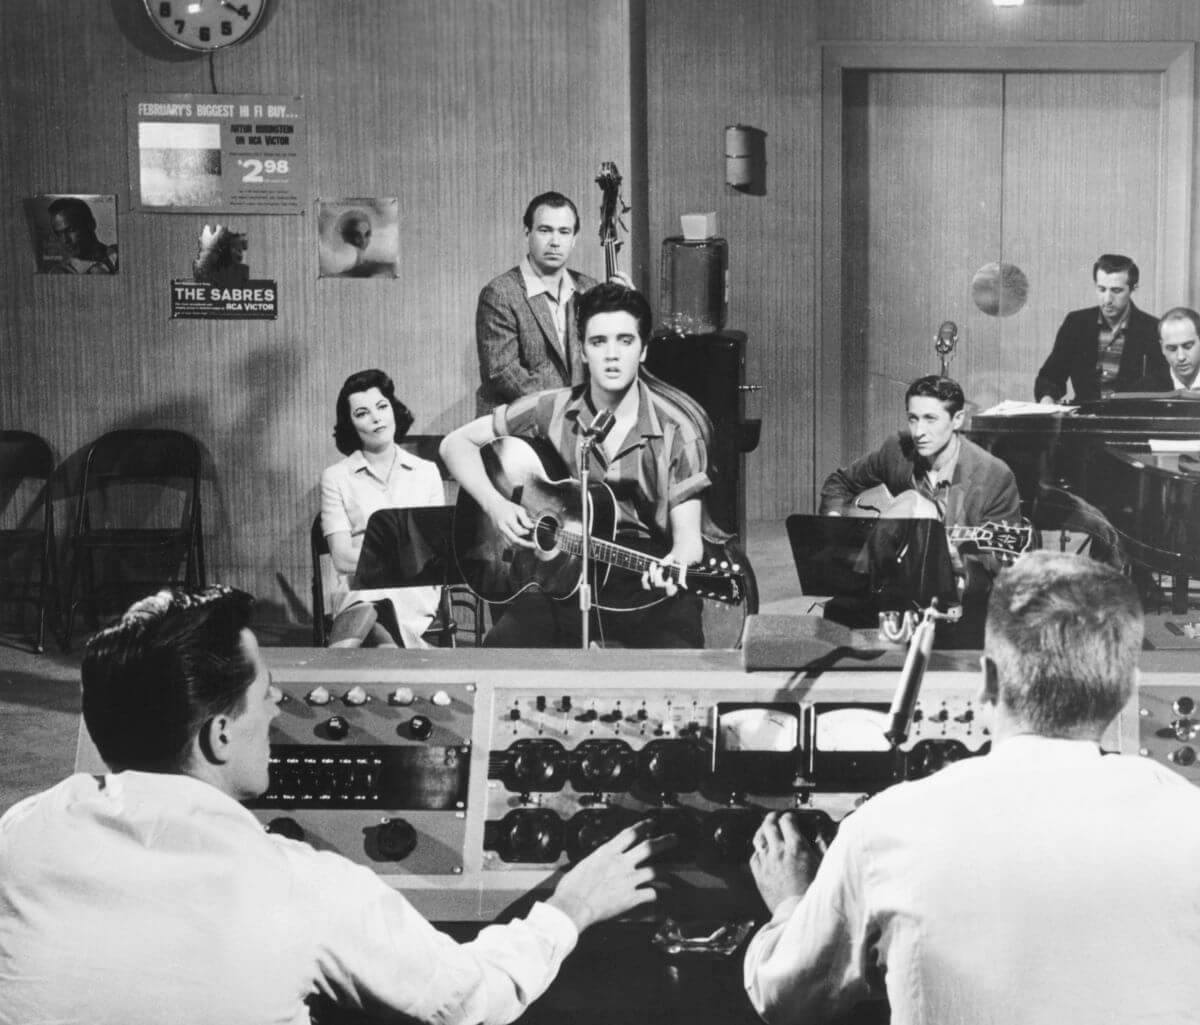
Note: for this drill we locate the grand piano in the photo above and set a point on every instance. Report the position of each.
(1102, 454)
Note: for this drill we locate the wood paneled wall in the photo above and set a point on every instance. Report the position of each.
(463, 109)
(754, 63)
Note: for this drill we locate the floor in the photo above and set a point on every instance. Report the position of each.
(39, 694)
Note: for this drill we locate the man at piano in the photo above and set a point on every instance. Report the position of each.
(1104, 348)
(932, 470)
(1179, 339)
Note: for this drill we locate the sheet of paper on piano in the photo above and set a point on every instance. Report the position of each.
(1174, 444)
(1013, 407)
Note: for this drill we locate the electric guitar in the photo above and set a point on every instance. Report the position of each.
(532, 475)
(1000, 539)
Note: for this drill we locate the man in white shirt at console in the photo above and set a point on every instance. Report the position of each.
(1041, 883)
(150, 895)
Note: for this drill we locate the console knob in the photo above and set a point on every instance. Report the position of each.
(1185, 705)
(732, 835)
(285, 826)
(420, 727)
(356, 695)
(440, 698)
(397, 839)
(401, 696)
(317, 696)
(1184, 756)
(1185, 728)
(337, 727)
(530, 767)
(527, 835)
(598, 766)
(672, 766)
(589, 829)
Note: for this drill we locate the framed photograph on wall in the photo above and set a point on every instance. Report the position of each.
(74, 233)
(358, 238)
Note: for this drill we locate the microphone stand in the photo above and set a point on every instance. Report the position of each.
(904, 701)
(944, 342)
(591, 436)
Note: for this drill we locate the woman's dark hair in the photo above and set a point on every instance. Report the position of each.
(344, 434)
(151, 681)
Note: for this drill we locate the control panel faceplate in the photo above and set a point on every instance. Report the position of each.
(469, 779)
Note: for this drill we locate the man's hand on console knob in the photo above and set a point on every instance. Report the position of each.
(783, 862)
(613, 879)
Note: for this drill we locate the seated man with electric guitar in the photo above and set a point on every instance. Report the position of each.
(932, 471)
(518, 526)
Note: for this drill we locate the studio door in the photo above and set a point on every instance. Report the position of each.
(946, 173)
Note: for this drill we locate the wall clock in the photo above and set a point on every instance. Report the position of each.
(203, 26)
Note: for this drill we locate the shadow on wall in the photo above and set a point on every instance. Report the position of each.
(270, 380)
(183, 414)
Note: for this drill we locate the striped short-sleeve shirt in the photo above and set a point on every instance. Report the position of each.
(661, 463)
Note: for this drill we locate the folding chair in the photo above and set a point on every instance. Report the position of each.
(27, 525)
(139, 503)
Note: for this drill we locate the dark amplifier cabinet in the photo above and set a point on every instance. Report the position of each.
(711, 368)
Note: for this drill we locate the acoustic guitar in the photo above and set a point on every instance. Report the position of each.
(532, 474)
(1000, 539)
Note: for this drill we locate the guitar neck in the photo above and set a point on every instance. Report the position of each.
(612, 554)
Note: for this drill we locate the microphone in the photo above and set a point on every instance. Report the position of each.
(905, 699)
(601, 426)
(947, 337)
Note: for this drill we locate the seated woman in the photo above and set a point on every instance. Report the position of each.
(376, 474)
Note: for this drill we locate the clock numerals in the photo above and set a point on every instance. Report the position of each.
(206, 26)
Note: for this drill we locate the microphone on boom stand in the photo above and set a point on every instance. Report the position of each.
(904, 701)
(944, 342)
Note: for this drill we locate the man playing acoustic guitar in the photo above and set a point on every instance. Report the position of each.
(933, 471)
(652, 461)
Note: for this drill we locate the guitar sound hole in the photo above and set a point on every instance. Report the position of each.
(545, 534)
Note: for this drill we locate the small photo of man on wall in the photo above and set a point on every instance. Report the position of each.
(74, 234)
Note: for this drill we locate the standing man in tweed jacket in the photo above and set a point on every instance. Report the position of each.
(525, 321)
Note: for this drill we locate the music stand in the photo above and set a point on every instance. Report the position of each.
(408, 548)
(868, 566)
